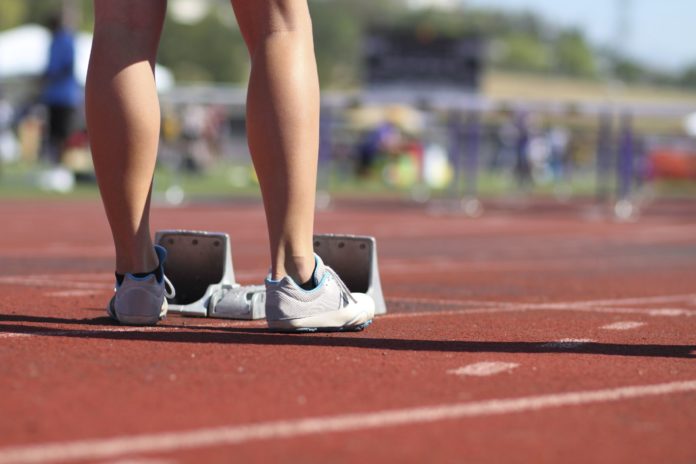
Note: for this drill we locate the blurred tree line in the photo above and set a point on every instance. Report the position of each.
(211, 47)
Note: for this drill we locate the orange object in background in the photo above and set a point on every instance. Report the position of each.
(673, 163)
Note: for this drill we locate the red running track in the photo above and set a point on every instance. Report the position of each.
(542, 334)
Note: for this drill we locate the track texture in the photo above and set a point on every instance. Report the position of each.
(490, 320)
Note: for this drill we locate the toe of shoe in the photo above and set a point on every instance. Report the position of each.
(365, 303)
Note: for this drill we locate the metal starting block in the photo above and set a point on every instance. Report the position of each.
(354, 258)
(199, 265)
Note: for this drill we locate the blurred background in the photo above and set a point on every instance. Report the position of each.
(433, 101)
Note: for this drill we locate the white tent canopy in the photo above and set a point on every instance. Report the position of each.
(24, 52)
(690, 124)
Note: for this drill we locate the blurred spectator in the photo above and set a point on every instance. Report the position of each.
(506, 141)
(194, 123)
(9, 150)
(558, 140)
(384, 138)
(523, 168)
(61, 93)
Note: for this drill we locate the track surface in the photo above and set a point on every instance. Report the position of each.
(542, 334)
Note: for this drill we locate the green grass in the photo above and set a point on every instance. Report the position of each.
(18, 181)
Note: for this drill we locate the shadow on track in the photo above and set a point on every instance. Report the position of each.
(197, 334)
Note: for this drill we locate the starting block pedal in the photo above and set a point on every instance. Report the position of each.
(354, 258)
(199, 265)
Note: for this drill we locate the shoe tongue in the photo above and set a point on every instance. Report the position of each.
(319, 269)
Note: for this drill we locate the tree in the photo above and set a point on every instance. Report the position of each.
(688, 77)
(573, 56)
(524, 53)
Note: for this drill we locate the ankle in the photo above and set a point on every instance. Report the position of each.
(137, 261)
(299, 268)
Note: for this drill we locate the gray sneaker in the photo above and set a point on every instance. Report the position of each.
(328, 307)
(141, 300)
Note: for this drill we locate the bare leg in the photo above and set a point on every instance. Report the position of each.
(123, 121)
(283, 125)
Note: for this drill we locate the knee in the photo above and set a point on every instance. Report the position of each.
(259, 20)
(130, 14)
(286, 16)
(129, 24)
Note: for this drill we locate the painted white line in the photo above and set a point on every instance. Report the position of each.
(527, 308)
(96, 281)
(33, 281)
(623, 325)
(138, 460)
(236, 434)
(60, 250)
(73, 293)
(87, 333)
(640, 300)
(688, 298)
(657, 312)
(671, 312)
(13, 335)
(567, 343)
(483, 369)
(68, 276)
(488, 307)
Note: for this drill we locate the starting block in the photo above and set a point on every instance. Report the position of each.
(354, 258)
(199, 265)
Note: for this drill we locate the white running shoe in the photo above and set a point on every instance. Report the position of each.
(142, 300)
(329, 307)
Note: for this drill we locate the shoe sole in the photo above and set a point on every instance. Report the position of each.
(136, 319)
(357, 328)
(331, 322)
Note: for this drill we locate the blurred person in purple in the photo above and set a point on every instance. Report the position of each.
(384, 138)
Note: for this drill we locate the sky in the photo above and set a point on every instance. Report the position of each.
(661, 33)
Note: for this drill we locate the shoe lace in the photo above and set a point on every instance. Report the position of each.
(344, 288)
(169, 290)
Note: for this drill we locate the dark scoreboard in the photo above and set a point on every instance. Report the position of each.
(426, 60)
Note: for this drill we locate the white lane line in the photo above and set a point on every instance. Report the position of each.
(623, 325)
(640, 300)
(510, 308)
(567, 343)
(59, 250)
(13, 335)
(686, 298)
(491, 307)
(126, 329)
(87, 333)
(483, 369)
(66, 276)
(32, 281)
(97, 281)
(671, 312)
(72, 293)
(138, 460)
(236, 434)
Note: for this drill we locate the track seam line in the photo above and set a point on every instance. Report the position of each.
(284, 429)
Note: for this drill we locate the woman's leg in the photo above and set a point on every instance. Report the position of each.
(123, 120)
(283, 126)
